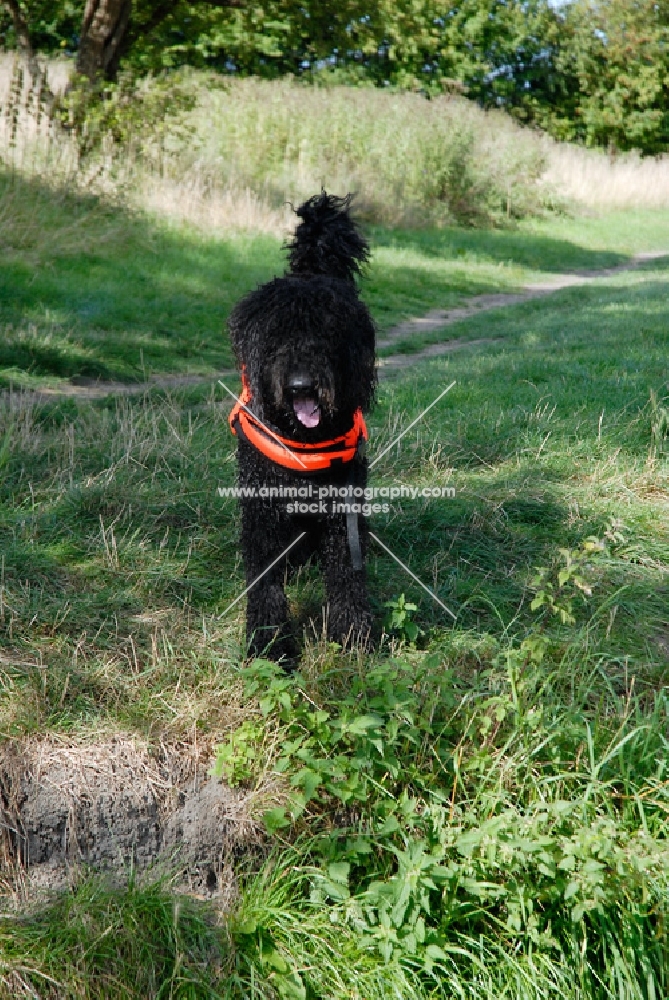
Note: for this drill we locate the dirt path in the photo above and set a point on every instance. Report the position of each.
(437, 319)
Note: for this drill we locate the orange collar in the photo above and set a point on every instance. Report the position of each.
(294, 455)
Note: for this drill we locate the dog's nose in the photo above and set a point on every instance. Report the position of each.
(300, 384)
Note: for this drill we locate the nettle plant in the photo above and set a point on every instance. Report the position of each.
(558, 586)
(444, 801)
(399, 620)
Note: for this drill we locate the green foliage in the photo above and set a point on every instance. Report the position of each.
(235, 759)
(399, 619)
(54, 24)
(587, 70)
(408, 159)
(136, 116)
(96, 941)
(555, 588)
(497, 816)
(614, 60)
(483, 819)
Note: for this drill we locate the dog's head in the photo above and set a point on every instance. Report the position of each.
(306, 341)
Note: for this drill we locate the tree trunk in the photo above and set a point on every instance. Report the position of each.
(103, 31)
(25, 42)
(106, 34)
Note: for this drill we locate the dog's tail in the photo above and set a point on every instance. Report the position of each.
(327, 240)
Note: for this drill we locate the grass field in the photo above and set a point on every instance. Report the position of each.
(479, 812)
(479, 808)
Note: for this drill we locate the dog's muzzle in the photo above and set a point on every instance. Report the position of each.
(303, 397)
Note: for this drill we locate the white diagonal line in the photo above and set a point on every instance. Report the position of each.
(270, 432)
(251, 585)
(412, 424)
(412, 575)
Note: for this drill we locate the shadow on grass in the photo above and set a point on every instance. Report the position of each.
(479, 552)
(91, 289)
(524, 249)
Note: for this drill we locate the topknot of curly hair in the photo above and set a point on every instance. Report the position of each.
(327, 240)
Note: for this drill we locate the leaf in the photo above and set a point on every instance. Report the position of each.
(411, 631)
(275, 960)
(248, 926)
(362, 723)
(339, 872)
(308, 781)
(297, 806)
(275, 819)
(390, 825)
(571, 890)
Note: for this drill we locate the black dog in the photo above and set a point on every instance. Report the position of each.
(305, 343)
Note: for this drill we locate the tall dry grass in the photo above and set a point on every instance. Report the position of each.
(593, 178)
(409, 159)
(248, 148)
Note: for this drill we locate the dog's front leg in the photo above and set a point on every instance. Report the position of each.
(268, 630)
(349, 616)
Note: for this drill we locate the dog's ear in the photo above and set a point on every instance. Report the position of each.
(327, 240)
(246, 325)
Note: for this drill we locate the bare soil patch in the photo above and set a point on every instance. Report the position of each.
(111, 805)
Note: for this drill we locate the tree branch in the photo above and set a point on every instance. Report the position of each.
(162, 11)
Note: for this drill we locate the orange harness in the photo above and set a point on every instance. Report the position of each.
(294, 455)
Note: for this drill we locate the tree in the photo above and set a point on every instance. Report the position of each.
(617, 52)
(107, 30)
(24, 40)
(596, 71)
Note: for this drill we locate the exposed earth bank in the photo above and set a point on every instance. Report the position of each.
(111, 805)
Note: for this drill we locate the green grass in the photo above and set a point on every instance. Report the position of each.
(495, 826)
(122, 298)
(88, 290)
(547, 437)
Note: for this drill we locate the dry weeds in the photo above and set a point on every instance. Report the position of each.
(254, 147)
(592, 178)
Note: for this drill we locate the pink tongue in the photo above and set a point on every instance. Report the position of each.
(307, 411)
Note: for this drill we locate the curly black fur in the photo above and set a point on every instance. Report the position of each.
(327, 240)
(309, 323)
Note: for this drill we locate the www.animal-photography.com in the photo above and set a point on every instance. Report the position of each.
(334, 482)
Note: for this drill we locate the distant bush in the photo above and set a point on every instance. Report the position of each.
(410, 159)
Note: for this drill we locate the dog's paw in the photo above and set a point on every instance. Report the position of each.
(281, 649)
(352, 632)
